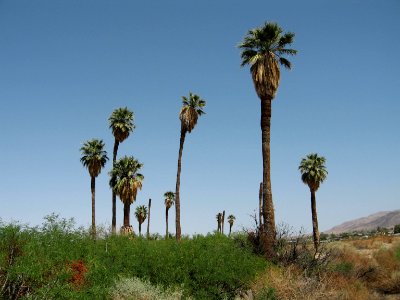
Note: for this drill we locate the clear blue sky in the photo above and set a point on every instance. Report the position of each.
(65, 65)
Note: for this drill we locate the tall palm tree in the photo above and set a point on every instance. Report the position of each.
(264, 49)
(94, 158)
(192, 108)
(313, 173)
(125, 182)
(141, 215)
(121, 124)
(169, 201)
(231, 220)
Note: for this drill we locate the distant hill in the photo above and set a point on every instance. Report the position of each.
(385, 219)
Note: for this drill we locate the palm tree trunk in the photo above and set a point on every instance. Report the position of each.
(314, 220)
(127, 209)
(230, 228)
(93, 189)
(260, 197)
(268, 206)
(140, 229)
(148, 220)
(114, 197)
(166, 221)
(178, 185)
(223, 222)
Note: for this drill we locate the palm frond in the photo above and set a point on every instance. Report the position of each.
(263, 49)
(121, 123)
(192, 108)
(125, 179)
(94, 157)
(313, 170)
(284, 62)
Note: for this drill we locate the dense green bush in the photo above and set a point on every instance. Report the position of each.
(57, 261)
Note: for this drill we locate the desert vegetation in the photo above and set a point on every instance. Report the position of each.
(57, 260)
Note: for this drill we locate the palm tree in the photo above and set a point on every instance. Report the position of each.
(264, 49)
(141, 215)
(219, 220)
(192, 108)
(169, 201)
(313, 173)
(121, 124)
(231, 220)
(94, 158)
(125, 182)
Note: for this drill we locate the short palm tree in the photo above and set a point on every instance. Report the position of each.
(169, 201)
(219, 222)
(192, 108)
(231, 220)
(121, 124)
(125, 182)
(141, 215)
(264, 49)
(313, 173)
(94, 158)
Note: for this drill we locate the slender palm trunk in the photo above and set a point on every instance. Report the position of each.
(230, 228)
(166, 223)
(314, 220)
(140, 228)
(127, 210)
(148, 220)
(178, 185)
(93, 189)
(268, 206)
(114, 197)
(219, 226)
(260, 210)
(223, 222)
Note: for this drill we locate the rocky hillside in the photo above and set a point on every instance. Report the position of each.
(385, 219)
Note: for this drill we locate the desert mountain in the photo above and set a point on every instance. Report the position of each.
(385, 219)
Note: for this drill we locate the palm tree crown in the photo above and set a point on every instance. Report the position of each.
(94, 157)
(192, 108)
(231, 219)
(125, 181)
(141, 213)
(313, 170)
(263, 48)
(121, 123)
(169, 199)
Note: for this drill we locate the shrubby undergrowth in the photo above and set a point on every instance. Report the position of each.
(56, 261)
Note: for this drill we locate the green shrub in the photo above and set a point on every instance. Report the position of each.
(56, 261)
(344, 268)
(266, 293)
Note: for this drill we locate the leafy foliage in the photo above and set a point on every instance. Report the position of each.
(263, 48)
(313, 170)
(43, 262)
(94, 157)
(125, 179)
(121, 123)
(169, 199)
(192, 108)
